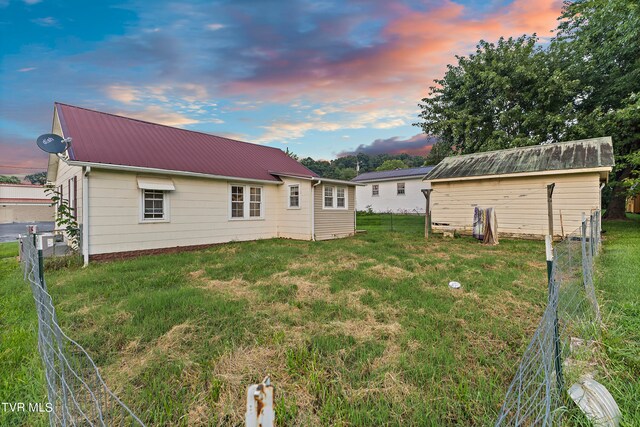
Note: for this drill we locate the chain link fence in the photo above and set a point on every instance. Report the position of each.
(75, 389)
(401, 221)
(563, 345)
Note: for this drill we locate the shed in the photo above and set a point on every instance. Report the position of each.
(24, 203)
(514, 182)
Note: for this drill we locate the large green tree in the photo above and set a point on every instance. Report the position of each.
(585, 83)
(390, 165)
(37, 178)
(5, 179)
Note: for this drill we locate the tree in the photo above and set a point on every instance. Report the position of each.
(389, 165)
(598, 43)
(37, 178)
(292, 155)
(504, 95)
(9, 179)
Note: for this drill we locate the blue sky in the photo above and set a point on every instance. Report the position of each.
(319, 77)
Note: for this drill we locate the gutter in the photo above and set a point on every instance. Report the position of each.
(85, 214)
(313, 210)
(167, 172)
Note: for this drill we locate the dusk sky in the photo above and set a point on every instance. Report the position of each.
(320, 77)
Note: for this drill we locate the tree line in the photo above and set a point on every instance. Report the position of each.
(583, 83)
(346, 167)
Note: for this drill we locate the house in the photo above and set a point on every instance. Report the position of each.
(24, 203)
(141, 187)
(396, 190)
(514, 182)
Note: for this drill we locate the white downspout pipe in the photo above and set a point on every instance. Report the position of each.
(85, 214)
(313, 210)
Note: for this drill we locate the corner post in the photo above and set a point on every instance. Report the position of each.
(550, 188)
(427, 213)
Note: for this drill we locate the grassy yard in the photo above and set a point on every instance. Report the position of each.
(359, 331)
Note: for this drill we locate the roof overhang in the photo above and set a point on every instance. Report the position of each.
(125, 168)
(338, 181)
(153, 183)
(603, 171)
(395, 178)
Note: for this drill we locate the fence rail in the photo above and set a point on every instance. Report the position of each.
(405, 222)
(561, 349)
(76, 391)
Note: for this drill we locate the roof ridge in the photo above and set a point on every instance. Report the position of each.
(163, 125)
(527, 147)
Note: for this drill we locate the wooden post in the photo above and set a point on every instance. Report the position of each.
(427, 213)
(550, 207)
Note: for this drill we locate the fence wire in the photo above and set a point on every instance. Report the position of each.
(75, 389)
(411, 222)
(562, 348)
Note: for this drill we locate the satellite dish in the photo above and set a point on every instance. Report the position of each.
(52, 143)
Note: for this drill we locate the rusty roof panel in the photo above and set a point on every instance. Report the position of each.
(582, 154)
(106, 138)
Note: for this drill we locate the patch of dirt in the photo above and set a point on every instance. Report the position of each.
(236, 288)
(390, 272)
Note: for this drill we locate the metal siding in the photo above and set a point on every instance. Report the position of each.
(105, 138)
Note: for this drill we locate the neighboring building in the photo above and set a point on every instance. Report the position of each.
(514, 182)
(633, 204)
(24, 203)
(140, 186)
(396, 190)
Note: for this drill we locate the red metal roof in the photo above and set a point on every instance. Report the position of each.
(106, 138)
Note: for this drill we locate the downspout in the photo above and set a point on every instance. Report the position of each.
(85, 214)
(313, 210)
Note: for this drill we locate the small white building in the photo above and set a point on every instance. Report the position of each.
(24, 203)
(397, 191)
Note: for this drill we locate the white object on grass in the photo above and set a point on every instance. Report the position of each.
(596, 402)
(454, 285)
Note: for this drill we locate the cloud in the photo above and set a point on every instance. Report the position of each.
(157, 114)
(32, 2)
(49, 21)
(26, 69)
(215, 27)
(20, 156)
(417, 145)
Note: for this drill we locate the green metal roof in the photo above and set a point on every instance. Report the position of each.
(582, 154)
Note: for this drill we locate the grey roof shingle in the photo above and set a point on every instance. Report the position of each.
(396, 173)
(585, 153)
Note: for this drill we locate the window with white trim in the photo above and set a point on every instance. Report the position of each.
(246, 202)
(294, 196)
(334, 197)
(153, 205)
(237, 201)
(375, 190)
(328, 196)
(341, 198)
(401, 189)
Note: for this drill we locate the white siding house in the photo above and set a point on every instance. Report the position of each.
(150, 188)
(397, 191)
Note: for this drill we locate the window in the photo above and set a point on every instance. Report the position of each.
(375, 190)
(340, 198)
(237, 201)
(294, 196)
(255, 203)
(401, 189)
(153, 205)
(328, 197)
(335, 197)
(241, 207)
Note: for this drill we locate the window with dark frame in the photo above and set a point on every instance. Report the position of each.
(294, 196)
(153, 204)
(375, 190)
(237, 201)
(401, 189)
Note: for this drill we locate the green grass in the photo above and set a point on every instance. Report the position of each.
(358, 331)
(619, 284)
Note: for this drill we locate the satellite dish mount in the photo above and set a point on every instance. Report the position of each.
(52, 143)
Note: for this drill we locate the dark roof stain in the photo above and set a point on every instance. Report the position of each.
(582, 154)
(396, 173)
